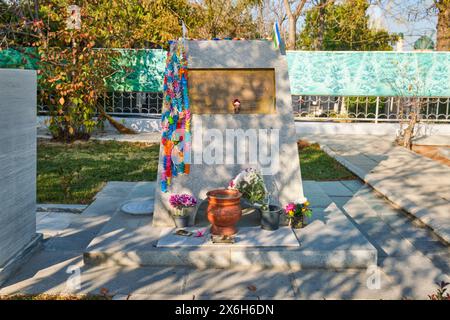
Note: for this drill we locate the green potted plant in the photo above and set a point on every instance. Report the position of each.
(251, 184)
(182, 203)
(296, 213)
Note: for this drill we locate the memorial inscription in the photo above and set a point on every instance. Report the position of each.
(213, 91)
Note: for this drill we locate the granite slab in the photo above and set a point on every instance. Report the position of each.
(252, 237)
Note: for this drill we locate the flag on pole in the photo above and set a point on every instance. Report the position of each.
(276, 37)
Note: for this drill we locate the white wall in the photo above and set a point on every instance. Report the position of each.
(333, 128)
(302, 127)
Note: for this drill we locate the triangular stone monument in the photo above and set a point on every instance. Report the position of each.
(227, 138)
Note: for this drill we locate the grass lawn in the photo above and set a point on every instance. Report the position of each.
(319, 166)
(74, 173)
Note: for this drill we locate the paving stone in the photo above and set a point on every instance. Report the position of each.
(413, 182)
(428, 245)
(414, 275)
(226, 297)
(46, 271)
(131, 281)
(252, 283)
(77, 235)
(392, 245)
(335, 188)
(253, 237)
(440, 259)
(353, 185)
(341, 201)
(316, 196)
(352, 284)
(52, 224)
(140, 296)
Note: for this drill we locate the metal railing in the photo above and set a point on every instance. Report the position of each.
(139, 104)
(373, 109)
(306, 108)
(133, 103)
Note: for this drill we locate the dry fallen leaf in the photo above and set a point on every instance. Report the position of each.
(251, 288)
(104, 291)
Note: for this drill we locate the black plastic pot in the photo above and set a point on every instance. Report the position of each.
(270, 219)
(181, 221)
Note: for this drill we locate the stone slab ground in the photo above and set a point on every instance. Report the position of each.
(417, 184)
(330, 240)
(410, 258)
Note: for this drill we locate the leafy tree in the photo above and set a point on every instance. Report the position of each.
(344, 26)
(224, 18)
(71, 71)
(293, 11)
(141, 23)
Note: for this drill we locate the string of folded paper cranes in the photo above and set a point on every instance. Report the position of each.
(176, 116)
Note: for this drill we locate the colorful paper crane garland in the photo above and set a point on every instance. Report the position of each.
(176, 116)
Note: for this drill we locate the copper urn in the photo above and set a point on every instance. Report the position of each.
(224, 211)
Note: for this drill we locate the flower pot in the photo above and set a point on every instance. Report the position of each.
(224, 211)
(270, 219)
(181, 217)
(297, 222)
(181, 221)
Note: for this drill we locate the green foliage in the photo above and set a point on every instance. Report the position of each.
(224, 18)
(71, 70)
(441, 292)
(345, 27)
(250, 184)
(140, 23)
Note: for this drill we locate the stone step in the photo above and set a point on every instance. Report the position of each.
(329, 241)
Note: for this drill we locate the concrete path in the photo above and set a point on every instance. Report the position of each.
(415, 183)
(410, 259)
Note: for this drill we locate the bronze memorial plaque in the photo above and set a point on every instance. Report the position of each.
(213, 91)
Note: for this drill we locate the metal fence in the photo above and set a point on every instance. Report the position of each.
(306, 108)
(373, 109)
(136, 104)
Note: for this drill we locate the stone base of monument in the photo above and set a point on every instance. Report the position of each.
(330, 240)
(20, 258)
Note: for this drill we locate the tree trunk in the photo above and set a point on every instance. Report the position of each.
(409, 131)
(443, 25)
(321, 28)
(292, 36)
(261, 26)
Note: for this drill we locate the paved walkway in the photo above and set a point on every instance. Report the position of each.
(410, 259)
(415, 183)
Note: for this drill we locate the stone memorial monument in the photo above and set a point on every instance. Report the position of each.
(237, 114)
(17, 168)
